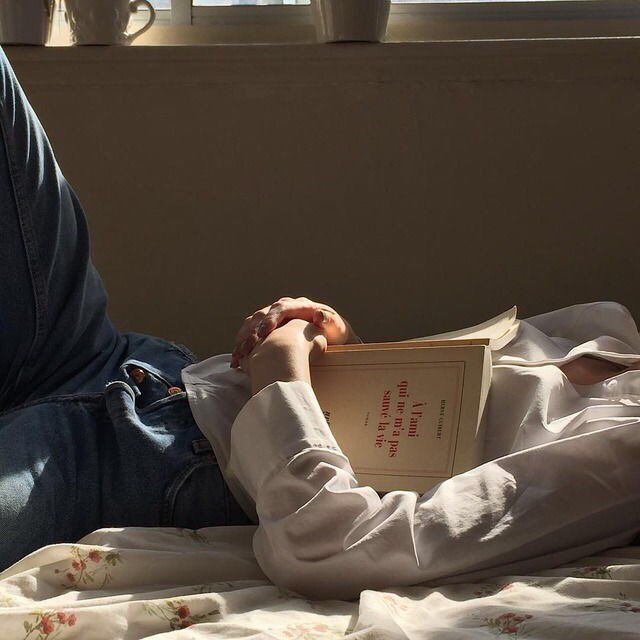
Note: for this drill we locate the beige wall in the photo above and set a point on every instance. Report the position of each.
(417, 188)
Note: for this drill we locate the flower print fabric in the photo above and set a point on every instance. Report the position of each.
(177, 583)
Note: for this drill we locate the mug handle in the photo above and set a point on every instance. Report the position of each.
(133, 8)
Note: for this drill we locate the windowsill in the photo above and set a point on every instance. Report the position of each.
(390, 62)
(436, 21)
(239, 34)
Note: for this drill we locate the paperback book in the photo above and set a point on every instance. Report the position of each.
(411, 414)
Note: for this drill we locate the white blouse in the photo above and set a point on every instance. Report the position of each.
(561, 478)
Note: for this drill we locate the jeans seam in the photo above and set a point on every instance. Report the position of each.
(168, 507)
(30, 248)
(149, 368)
(162, 402)
(96, 398)
(186, 352)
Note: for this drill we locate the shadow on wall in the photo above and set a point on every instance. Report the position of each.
(413, 199)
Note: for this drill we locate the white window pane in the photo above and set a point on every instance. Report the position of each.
(161, 4)
(229, 3)
(233, 3)
(469, 1)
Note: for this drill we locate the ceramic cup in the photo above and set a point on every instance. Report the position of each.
(350, 20)
(104, 21)
(26, 22)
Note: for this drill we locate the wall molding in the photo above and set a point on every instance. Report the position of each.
(546, 60)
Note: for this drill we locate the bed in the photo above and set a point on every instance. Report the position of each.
(180, 583)
(134, 582)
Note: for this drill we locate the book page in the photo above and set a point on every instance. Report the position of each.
(408, 344)
(499, 330)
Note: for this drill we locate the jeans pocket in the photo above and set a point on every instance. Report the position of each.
(164, 403)
(197, 497)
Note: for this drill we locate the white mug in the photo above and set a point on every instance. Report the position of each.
(104, 21)
(350, 20)
(25, 22)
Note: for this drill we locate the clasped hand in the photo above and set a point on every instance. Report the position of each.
(277, 342)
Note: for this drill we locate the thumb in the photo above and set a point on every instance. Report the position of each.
(319, 346)
(332, 326)
(316, 339)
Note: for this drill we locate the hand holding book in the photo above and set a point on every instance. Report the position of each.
(284, 355)
(260, 324)
(407, 414)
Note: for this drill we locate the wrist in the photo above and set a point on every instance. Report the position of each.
(278, 364)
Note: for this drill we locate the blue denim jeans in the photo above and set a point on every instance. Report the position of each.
(90, 435)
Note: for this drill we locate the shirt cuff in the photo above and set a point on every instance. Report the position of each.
(279, 422)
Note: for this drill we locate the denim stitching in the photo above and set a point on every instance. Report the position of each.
(162, 402)
(147, 367)
(30, 249)
(89, 398)
(169, 505)
(38, 279)
(187, 353)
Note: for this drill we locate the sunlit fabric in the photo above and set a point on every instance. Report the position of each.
(560, 481)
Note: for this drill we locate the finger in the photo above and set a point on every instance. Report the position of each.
(247, 329)
(243, 334)
(319, 346)
(243, 349)
(236, 357)
(249, 323)
(282, 312)
(243, 365)
(249, 336)
(243, 328)
(333, 325)
(252, 339)
(240, 354)
(236, 353)
(318, 339)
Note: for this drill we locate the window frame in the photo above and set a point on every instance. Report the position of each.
(425, 21)
(184, 13)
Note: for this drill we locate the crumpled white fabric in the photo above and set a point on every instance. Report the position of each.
(172, 584)
(560, 481)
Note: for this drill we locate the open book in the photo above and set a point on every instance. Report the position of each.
(411, 414)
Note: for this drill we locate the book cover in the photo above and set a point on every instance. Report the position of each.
(408, 415)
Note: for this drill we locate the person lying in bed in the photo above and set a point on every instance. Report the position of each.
(100, 428)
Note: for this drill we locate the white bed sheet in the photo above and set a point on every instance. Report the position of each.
(167, 583)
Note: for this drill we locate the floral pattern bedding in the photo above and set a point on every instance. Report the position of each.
(170, 584)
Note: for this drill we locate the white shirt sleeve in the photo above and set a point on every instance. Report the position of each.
(323, 536)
